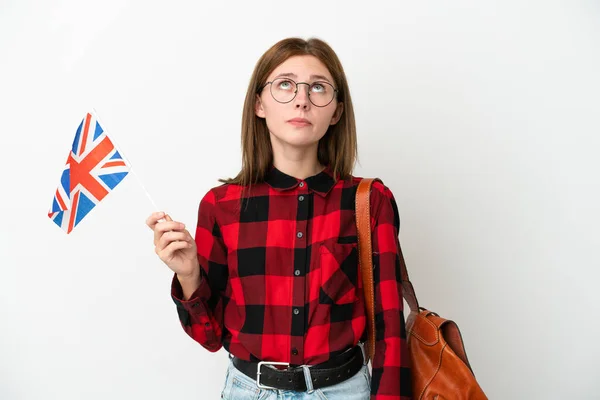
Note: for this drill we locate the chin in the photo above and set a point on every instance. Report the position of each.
(298, 138)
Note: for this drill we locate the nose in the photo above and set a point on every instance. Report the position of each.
(301, 101)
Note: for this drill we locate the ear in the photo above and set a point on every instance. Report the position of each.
(258, 107)
(337, 114)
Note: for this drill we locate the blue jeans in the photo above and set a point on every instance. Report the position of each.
(240, 387)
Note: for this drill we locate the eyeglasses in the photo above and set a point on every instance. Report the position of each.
(285, 90)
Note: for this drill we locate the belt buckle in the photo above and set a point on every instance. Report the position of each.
(258, 373)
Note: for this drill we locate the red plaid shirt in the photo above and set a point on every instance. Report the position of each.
(280, 278)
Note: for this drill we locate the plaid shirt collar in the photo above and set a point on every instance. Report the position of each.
(320, 183)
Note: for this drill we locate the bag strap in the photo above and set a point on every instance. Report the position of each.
(365, 258)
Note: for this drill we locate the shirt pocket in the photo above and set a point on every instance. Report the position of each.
(338, 265)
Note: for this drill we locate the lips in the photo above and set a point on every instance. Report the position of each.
(299, 122)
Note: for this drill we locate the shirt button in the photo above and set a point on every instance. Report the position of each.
(297, 272)
(295, 351)
(300, 234)
(301, 198)
(296, 311)
(301, 184)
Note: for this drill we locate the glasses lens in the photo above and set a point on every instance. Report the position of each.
(321, 93)
(283, 90)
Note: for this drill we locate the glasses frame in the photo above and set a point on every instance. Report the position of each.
(335, 90)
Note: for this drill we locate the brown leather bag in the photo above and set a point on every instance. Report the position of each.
(440, 369)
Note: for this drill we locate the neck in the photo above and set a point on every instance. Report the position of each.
(300, 167)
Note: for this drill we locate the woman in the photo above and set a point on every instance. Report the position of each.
(272, 273)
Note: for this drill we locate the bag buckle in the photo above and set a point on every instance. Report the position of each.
(258, 373)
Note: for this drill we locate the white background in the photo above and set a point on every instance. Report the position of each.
(482, 117)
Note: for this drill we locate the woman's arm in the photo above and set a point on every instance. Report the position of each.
(391, 373)
(199, 297)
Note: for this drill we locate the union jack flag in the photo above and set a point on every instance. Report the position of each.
(94, 168)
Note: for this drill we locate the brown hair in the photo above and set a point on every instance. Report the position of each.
(338, 148)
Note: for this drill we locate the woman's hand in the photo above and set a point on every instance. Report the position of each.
(174, 245)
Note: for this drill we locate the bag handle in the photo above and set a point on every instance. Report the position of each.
(365, 259)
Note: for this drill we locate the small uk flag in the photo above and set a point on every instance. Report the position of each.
(94, 168)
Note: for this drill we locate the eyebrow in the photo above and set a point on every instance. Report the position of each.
(312, 77)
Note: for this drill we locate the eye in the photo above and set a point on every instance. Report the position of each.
(284, 85)
(318, 88)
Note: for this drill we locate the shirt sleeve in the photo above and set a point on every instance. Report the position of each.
(201, 316)
(390, 364)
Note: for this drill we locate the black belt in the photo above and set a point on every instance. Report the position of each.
(331, 372)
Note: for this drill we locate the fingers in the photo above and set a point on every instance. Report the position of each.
(166, 225)
(166, 253)
(153, 219)
(169, 237)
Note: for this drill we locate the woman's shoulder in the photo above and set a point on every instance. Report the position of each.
(223, 192)
(379, 189)
(381, 198)
(223, 201)
(211, 207)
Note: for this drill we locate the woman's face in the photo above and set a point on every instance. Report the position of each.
(299, 122)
